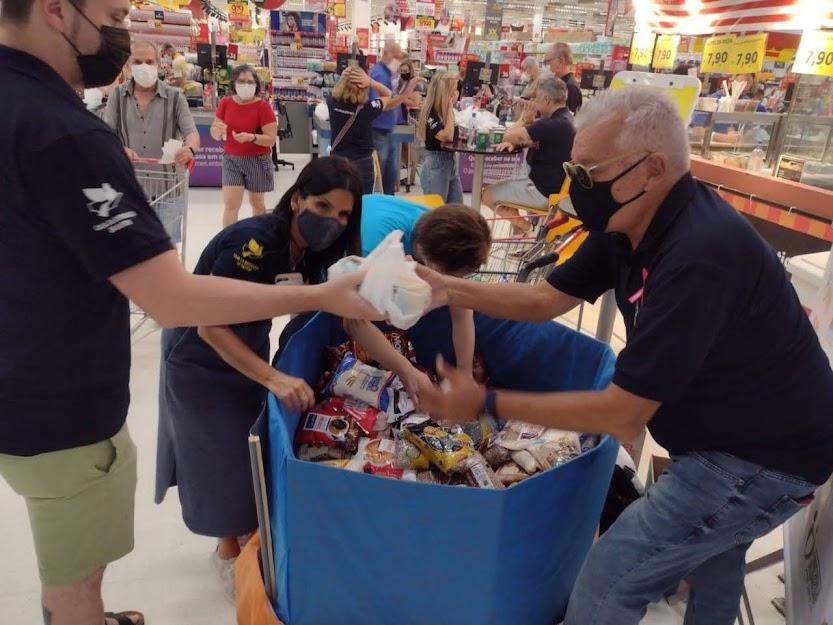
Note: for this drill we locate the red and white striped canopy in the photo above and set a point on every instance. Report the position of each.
(722, 16)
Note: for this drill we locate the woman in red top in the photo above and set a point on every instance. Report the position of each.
(248, 126)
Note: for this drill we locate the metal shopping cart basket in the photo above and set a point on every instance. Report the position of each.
(528, 257)
(166, 189)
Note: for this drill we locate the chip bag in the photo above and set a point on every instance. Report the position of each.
(442, 448)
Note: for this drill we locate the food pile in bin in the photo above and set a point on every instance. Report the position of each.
(366, 422)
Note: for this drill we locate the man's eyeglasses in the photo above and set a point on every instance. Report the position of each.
(583, 175)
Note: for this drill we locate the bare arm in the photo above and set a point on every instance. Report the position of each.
(377, 346)
(295, 392)
(612, 411)
(521, 302)
(518, 135)
(446, 135)
(462, 336)
(192, 141)
(269, 136)
(174, 297)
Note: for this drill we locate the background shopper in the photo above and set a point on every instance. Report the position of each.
(145, 113)
(546, 130)
(747, 422)
(213, 380)
(249, 128)
(64, 446)
(384, 140)
(436, 125)
(560, 61)
(351, 116)
(532, 69)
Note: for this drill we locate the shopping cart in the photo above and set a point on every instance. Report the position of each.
(166, 189)
(529, 257)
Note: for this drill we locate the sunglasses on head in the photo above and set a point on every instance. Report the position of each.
(583, 175)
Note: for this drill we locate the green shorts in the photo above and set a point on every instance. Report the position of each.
(81, 504)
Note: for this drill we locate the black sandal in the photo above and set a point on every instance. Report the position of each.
(124, 618)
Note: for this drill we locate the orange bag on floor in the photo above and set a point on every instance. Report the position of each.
(253, 607)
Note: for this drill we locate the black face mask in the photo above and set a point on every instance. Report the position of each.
(596, 205)
(102, 67)
(405, 77)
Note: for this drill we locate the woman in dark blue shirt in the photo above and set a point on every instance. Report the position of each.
(213, 380)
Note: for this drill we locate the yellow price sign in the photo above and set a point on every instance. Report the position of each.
(717, 54)
(425, 22)
(239, 12)
(747, 55)
(815, 54)
(665, 52)
(642, 48)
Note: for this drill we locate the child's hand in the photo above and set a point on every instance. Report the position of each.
(415, 382)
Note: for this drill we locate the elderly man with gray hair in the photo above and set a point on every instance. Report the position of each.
(560, 61)
(546, 129)
(532, 69)
(145, 112)
(721, 364)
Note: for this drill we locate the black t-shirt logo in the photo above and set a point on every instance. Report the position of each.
(102, 201)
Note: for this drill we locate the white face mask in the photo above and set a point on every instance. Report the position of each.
(245, 91)
(144, 74)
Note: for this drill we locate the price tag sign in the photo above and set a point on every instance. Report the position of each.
(642, 49)
(239, 12)
(424, 22)
(815, 54)
(665, 52)
(717, 54)
(748, 54)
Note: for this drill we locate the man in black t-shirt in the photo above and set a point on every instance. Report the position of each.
(77, 239)
(546, 129)
(560, 61)
(721, 364)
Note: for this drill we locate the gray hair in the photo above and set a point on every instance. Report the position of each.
(553, 87)
(650, 121)
(529, 63)
(144, 43)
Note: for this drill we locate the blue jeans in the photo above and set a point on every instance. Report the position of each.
(440, 176)
(696, 523)
(389, 149)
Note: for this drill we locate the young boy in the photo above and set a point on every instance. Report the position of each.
(452, 239)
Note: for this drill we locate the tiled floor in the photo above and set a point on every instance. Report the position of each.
(168, 575)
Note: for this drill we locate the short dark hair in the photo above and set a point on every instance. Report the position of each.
(454, 238)
(237, 72)
(18, 11)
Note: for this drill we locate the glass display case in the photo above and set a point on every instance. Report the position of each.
(796, 145)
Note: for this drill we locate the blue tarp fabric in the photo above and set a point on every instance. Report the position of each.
(355, 549)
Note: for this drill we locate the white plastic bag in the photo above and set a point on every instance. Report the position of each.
(391, 285)
(169, 151)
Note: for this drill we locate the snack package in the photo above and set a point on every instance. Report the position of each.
(480, 431)
(496, 455)
(517, 435)
(551, 453)
(478, 473)
(444, 449)
(379, 455)
(357, 380)
(391, 284)
(408, 456)
(510, 473)
(398, 339)
(316, 453)
(363, 414)
(525, 460)
(328, 426)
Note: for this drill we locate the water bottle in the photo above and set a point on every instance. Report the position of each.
(756, 159)
(473, 130)
(509, 116)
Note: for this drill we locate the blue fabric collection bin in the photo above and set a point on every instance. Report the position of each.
(358, 549)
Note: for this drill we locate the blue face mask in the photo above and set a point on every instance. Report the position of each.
(318, 231)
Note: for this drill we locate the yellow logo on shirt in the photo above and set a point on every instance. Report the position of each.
(251, 250)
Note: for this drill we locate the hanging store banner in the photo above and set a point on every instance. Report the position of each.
(665, 52)
(717, 54)
(642, 48)
(610, 22)
(494, 20)
(725, 16)
(815, 54)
